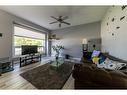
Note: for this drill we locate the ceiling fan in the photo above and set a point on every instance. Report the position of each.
(60, 20)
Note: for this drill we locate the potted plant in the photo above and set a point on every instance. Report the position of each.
(57, 49)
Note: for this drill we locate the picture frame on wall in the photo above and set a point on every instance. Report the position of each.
(1, 34)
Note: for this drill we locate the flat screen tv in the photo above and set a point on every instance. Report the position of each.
(29, 49)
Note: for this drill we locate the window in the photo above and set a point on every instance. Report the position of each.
(24, 36)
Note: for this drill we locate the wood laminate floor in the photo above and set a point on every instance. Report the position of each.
(12, 80)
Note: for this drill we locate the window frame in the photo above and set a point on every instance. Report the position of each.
(31, 29)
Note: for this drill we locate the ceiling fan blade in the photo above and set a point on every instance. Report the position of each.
(54, 17)
(60, 25)
(53, 22)
(64, 18)
(66, 23)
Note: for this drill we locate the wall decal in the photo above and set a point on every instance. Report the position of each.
(112, 34)
(1, 34)
(123, 7)
(117, 27)
(113, 19)
(122, 18)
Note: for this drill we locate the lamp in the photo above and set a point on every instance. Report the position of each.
(85, 47)
(85, 44)
(84, 41)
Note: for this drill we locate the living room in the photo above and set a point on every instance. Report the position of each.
(63, 34)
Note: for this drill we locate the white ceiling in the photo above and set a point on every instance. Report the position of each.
(41, 14)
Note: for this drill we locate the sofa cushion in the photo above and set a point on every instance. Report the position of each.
(83, 72)
(117, 73)
(119, 82)
(87, 73)
(101, 76)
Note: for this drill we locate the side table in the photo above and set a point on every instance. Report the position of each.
(6, 65)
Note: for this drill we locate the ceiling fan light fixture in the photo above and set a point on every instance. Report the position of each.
(60, 20)
(53, 37)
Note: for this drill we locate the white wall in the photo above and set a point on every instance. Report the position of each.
(71, 38)
(115, 44)
(6, 28)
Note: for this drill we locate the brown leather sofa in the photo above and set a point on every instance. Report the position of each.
(91, 77)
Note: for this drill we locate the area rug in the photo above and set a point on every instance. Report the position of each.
(48, 76)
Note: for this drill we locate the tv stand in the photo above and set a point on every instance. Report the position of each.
(29, 59)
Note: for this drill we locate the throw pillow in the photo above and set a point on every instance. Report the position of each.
(95, 60)
(115, 65)
(120, 65)
(103, 64)
(100, 65)
(95, 53)
(107, 64)
(101, 59)
(112, 65)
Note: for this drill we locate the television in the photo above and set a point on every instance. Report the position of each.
(29, 49)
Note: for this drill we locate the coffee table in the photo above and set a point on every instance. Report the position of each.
(57, 62)
(74, 60)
